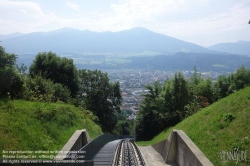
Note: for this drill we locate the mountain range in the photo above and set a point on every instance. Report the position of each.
(13, 35)
(76, 41)
(240, 47)
(137, 48)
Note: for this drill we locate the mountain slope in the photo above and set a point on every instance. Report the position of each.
(186, 61)
(178, 61)
(211, 130)
(13, 35)
(240, 47)
(36, 126)
(77, 41)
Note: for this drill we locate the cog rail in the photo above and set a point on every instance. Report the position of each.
(127, 154)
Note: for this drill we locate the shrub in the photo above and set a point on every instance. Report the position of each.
(229, 117)
(41, 89)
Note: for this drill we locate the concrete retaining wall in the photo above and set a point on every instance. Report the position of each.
(79, 139)
(179, 149)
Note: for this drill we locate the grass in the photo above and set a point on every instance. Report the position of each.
(40, 126)
(105, 61)
(219, 65)
(223, 126)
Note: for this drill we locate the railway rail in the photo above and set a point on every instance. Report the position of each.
(122, 152)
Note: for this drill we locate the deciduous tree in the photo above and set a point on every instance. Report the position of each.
(59, 70)
(10, 81)
(101, 97)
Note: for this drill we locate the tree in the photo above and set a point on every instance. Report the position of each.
(100, 97)
(195, 78)
(59, 70)
(154, 115)
(6, 59)
(205, 89)
(225, 85)
(10, 81)
(200, 93)
(179, 98)
(240, 79)
(180, 94)
(162, 106)
(222, 87)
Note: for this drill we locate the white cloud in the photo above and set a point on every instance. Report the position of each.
(211, 28)
(129, 12)
(23, 16)
(73, 6)
(187, 20)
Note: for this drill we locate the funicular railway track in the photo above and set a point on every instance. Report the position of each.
(119, 153)
(127, 154)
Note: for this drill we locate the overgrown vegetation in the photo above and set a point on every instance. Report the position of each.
(222, 127)
(37, 125)
(37, 88)
(124, 126)
(178, 98)
(57, 69)
(55, 79)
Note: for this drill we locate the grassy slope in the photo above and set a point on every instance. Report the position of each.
(40, 126)
(212, 134)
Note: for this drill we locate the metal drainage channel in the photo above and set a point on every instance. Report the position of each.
(128, 154)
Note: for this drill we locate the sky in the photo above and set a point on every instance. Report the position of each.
(203, 22)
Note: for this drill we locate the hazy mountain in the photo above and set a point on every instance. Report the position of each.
(77, 41)
(13, 35)
(240, 47)
(186, 61)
